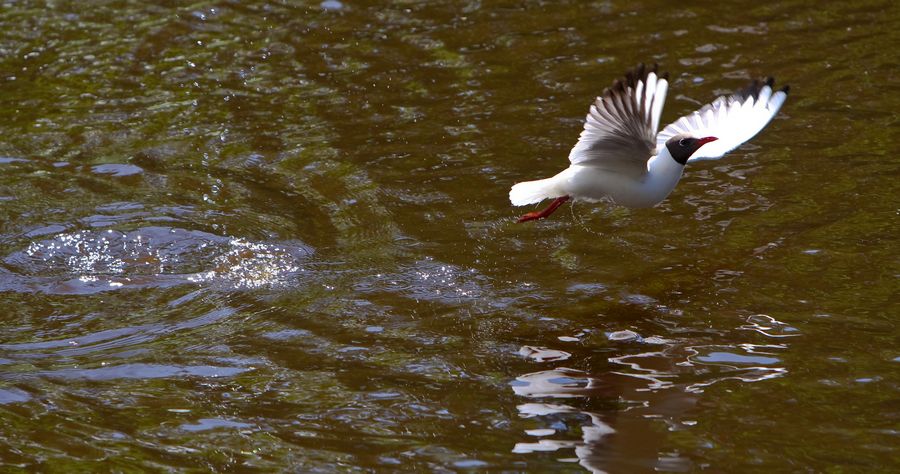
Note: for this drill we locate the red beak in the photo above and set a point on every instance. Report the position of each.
(705, 140)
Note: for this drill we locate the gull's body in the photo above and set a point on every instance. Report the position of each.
(620, 155)
(591, 184)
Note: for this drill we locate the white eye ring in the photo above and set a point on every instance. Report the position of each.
(681, 142)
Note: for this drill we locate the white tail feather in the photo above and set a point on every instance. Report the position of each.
(531, 192)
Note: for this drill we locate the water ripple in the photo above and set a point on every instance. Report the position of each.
(89, 261)
(143, 371)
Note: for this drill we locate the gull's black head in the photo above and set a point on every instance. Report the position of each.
(681, 147)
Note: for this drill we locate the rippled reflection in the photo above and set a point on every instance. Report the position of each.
(543, 354)
(769, 326)
(600, 447)
(593, 433)
(557, 383)
(561, 383)
(652, 386)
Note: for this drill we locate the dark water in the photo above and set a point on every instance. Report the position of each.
(265, 236)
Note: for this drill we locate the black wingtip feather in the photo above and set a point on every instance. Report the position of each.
(637, 74)
(756, 86)
(752, 90)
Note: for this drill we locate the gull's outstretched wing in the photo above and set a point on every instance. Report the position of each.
(620, 130)
(733, 119)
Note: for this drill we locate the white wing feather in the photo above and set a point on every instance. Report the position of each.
(621, 126)
(732, 119)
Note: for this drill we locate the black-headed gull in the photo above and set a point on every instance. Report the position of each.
(620, 155)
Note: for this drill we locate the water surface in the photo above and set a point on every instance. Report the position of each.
(264, 236)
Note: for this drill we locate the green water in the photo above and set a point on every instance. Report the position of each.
(275, 236)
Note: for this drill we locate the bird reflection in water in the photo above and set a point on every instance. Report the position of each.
(617, 409)
(609, 441)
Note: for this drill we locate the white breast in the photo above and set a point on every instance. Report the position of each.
(587, 183)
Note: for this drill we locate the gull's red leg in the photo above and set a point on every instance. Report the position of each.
(546, 212)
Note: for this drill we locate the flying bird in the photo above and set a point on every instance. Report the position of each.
(621, 156)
